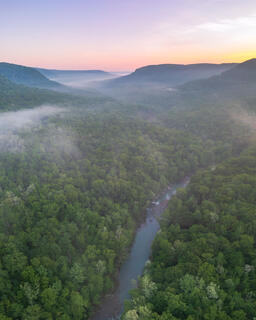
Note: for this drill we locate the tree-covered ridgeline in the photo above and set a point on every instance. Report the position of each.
(16, 97)
(204, 259)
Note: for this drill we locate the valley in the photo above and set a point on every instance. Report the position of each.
(79, 172)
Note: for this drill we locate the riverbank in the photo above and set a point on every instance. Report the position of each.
(132, 268)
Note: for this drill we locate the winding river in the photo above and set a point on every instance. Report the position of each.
(112, 306)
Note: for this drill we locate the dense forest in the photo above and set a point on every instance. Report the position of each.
(75, 185)
(203, 261)
(70, 202)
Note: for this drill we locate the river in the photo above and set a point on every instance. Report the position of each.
(112, 305)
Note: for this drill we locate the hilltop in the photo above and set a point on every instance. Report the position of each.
(26, 76)
(241, 77)
(172, 74)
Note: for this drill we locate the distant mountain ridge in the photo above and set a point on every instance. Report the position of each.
(75, 78)
(172, 74)
(242, 74)
(27, 76)
(56, 72)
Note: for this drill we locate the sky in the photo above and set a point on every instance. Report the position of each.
(122, 35)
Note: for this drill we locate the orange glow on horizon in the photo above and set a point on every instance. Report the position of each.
(120, 63)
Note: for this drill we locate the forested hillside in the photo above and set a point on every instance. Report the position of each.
(16, 97)
(203, 261)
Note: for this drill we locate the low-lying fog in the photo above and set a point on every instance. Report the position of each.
(15, 122)
(82, 81)
(11, 121)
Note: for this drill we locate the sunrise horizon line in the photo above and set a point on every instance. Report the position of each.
(125, 69)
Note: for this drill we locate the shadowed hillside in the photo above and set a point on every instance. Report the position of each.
(26, 76)
(172, 74)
